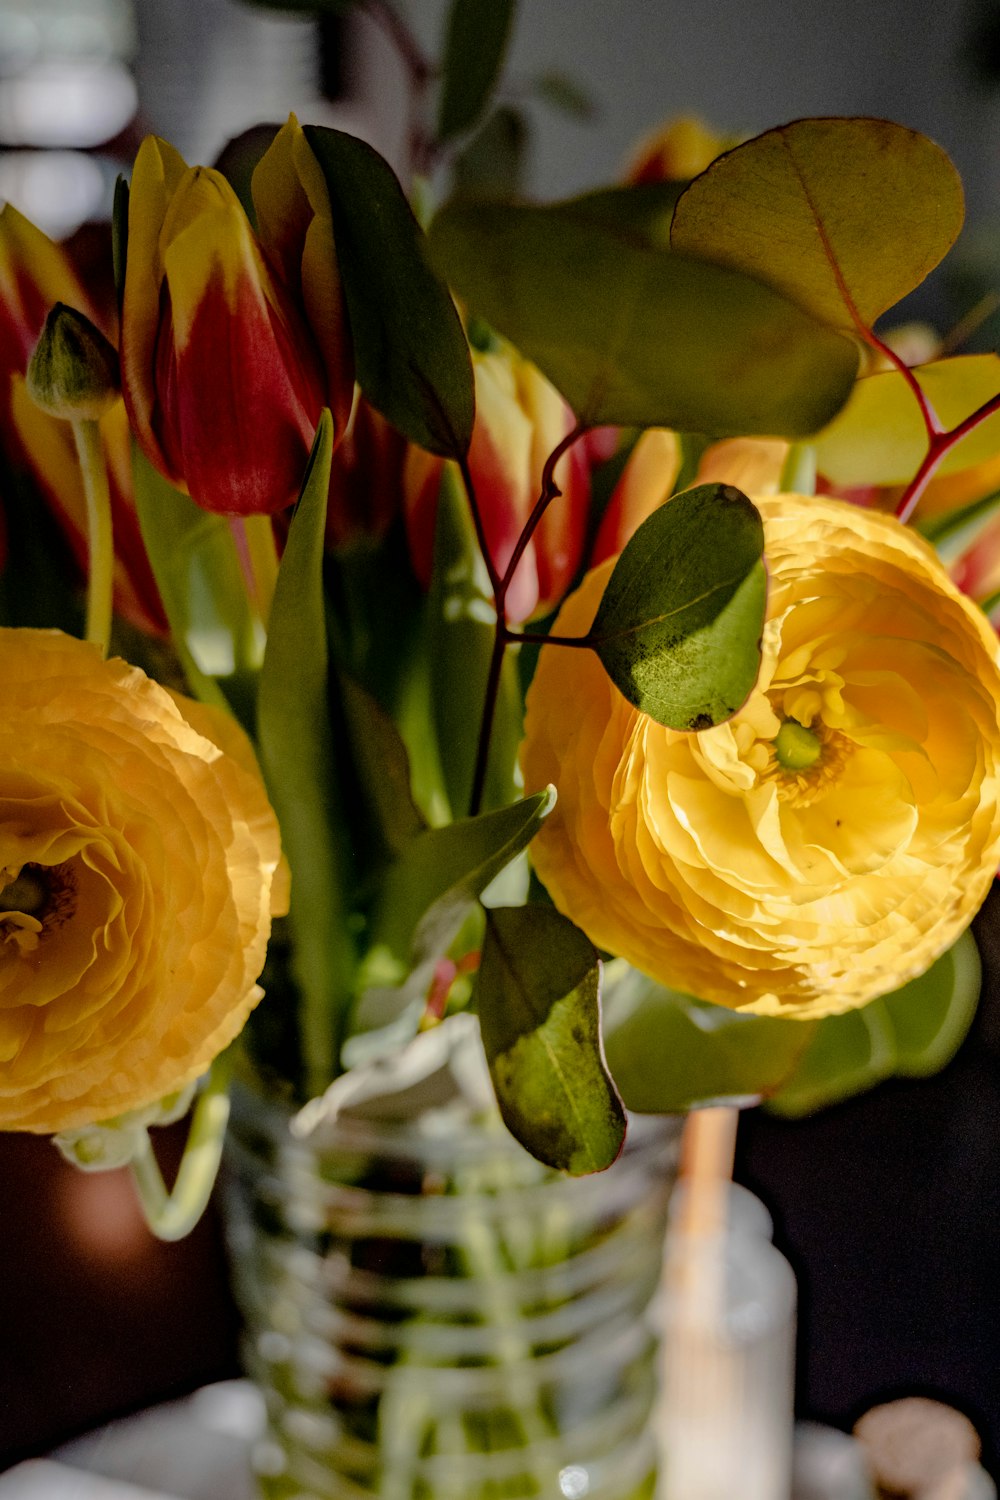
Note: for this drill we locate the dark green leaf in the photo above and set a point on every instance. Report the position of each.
(634, 335)
(412, 360)
(238, 159)
(119, 236)
(475, 45)
(298, 755)
(678, 629)
(912, 1032)
(668, 1052)
(492, 165)
(441, 873)
(380, 760)
(845, 216)
(216, 631)
(538, 997)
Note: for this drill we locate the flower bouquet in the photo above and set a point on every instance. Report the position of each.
(538, 635)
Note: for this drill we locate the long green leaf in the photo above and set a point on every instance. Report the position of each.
(216, 631)
(412, 360)
(298, 756)
(538, 997)
(845, 216)
(678, 629)
(440, 875)
(634, 335)
(475, 46)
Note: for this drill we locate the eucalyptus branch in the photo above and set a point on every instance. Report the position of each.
(549, 492)
(501, 586)
(931, 420)
(940, 445)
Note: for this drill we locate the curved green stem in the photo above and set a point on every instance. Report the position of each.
(90, 452)
(172, 1215)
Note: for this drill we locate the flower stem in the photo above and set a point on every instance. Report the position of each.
(939, 445)
(172, 1215)
(90, 452)
(501, 586)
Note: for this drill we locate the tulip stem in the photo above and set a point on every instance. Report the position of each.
(100, 545)
(172, 1215)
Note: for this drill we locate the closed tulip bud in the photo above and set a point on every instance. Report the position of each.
(223, 371)
(73, 372)
(520, 419)
(35, 273)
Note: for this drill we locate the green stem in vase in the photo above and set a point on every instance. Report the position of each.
(100, 577)
(172, 1215)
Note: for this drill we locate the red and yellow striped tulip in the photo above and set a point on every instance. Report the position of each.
(232, 343)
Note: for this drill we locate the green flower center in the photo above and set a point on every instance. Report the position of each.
(28, 892)
(797, 748)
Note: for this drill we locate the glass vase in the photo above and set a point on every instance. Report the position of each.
(432, 1315)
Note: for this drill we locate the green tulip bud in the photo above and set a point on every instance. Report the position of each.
(73, 372)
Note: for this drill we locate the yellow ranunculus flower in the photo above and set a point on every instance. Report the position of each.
(139, 865)
(800, 875)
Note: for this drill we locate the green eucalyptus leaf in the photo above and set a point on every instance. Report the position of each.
(845, 216)
(678, 629)
(441, 873)
(411, 357)
(216, 631)
(880, 437)
(299, 757)
(669, 1052)
(475, 46)
(932, 1014)
(847, 1055)
(634, 335)
(538, 998)
(641, 212)
(912, 1032)
(461, 630)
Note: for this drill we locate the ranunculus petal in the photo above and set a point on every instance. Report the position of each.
(702, 860)
(137, 837)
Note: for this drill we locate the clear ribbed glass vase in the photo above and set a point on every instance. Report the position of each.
(431, 1315)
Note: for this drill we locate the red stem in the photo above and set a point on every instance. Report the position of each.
(501, 586)
(939, 445)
